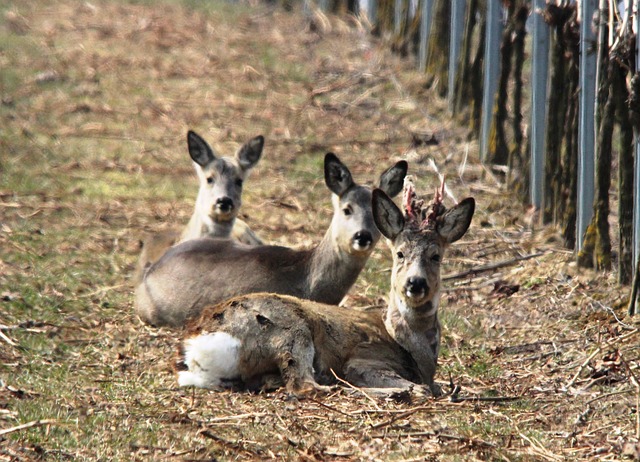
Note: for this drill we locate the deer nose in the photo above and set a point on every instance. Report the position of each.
(416, 285)
(363, 238)
(224, 204)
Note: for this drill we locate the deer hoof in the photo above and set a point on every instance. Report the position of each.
(436, 390)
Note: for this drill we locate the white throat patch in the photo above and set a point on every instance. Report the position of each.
(409, 313)
(402, 306)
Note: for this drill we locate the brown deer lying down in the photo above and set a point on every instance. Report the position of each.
(202, 272)
(248, 339)
(218, 202)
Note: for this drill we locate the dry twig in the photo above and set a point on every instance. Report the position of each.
(608, 343)
(33, 423)
(445, 436)
(403, 415)
(490, 266)
(373, 401)
(8, 340)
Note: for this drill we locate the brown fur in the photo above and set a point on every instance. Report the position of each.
(307, 342)
(273, 327)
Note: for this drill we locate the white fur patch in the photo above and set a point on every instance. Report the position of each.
(207, 221)
(435, 301)
(409, 313)
(209, 359)
(360, 248)
(402, 306)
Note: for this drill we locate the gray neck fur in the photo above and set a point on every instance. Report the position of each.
(332, 271)
(198, 228)
(419, 334)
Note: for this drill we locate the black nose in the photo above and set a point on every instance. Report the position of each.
(224, 204)
(363, 238)
(416, 285)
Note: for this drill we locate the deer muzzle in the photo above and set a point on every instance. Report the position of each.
(224, 206)
(362, 240)
(416, 287)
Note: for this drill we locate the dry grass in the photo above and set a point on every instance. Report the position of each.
(96, 99)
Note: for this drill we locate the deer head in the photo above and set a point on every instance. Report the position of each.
(418, 238)
(221, 178)
(352, 226)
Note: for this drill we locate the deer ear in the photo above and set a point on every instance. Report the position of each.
(392, 179)
(336, 175)
(386, 214)
(249, 154)
(455, 221)
(200, 152)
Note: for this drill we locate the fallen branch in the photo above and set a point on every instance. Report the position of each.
(395, 411)
(456, 398)
(8, 340)
(444, 436)
(608, 343)
(182, 453)
(490, 267)
(607, 395)
(302, 142)
(35, 423)
(249, 415)
(237, 445)
(399, 417)
(333, 409)
(489, 399)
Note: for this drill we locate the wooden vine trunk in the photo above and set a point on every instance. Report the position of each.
(519, 183)
(625, 172)
(598, 251)
(567, 207)
(468, 100)
(405, 41)
(438, 50)
(556, 17)
(497, 146)
(385, 16)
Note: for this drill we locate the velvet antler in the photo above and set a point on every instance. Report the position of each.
(412, 205)
(415, 216)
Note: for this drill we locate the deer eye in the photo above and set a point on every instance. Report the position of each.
(347, 211)
(239, 182)
(210, 180)
(400, 256)
(435, 258)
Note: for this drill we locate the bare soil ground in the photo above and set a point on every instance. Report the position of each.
(96, 99)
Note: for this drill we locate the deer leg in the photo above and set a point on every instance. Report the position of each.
(375, 375)
(372, 374)
(296, 364)
(385, 382)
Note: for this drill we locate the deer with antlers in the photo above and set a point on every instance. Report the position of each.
(249, 339)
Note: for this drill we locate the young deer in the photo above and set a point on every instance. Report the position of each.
(250, 339)
(218, 201)
(202, 272)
